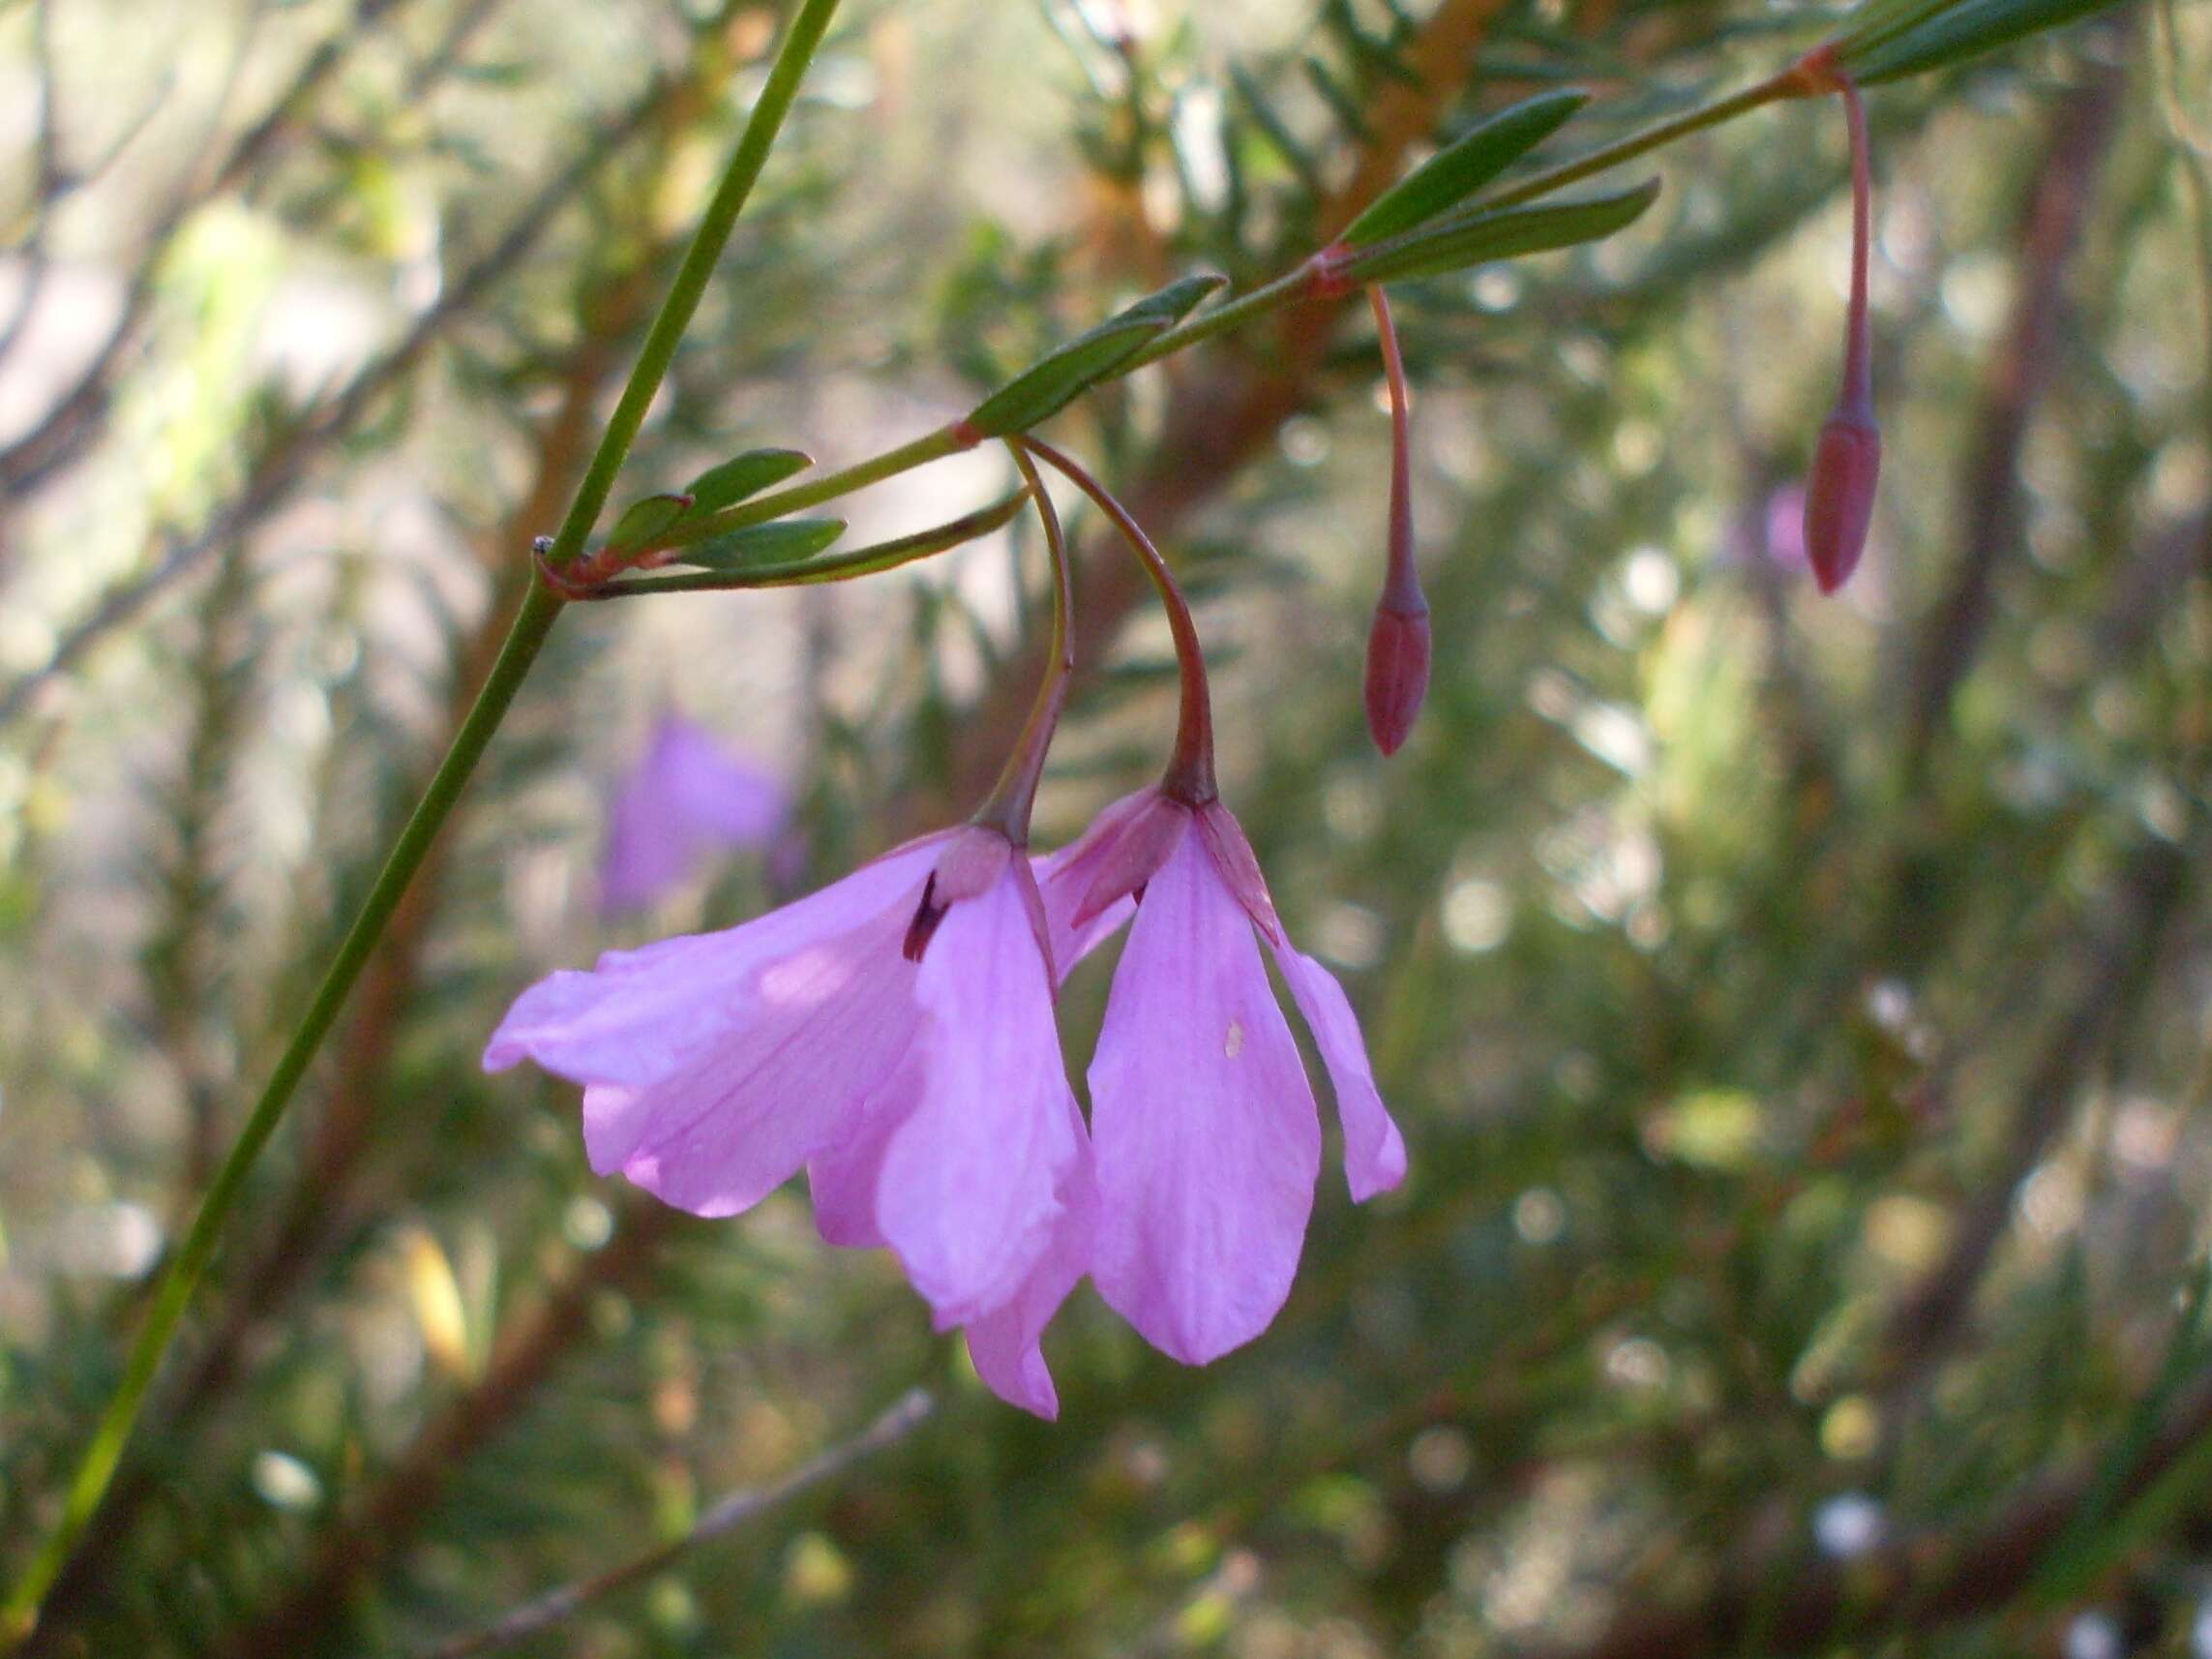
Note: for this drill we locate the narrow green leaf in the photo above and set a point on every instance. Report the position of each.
(799, 572)
(775, 543)
(1054, 381)
(748, 475)
(1464, 166)
(644, 520)
(1960, 32)
(1504, 234)
(1880, 20)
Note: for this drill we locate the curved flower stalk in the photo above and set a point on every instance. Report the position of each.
(684, 799)
(1398, 644)
(1840, 492)
(1208, 1136)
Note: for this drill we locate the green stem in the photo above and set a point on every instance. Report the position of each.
(1008, 806)
(533, 622)
(867, 561)
(930, 447)
(1787, 85)
(1292, 287)
(1286, 289)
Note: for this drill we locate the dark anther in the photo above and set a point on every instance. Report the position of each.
(927, 914)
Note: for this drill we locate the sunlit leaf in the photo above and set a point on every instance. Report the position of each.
(1955, 33)
(1057, 380)
(747, 474)
(1463, 166)
(645, 520)
(776, 543)
(1504, 234)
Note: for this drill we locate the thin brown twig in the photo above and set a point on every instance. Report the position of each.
(2020, 370)
(283, 465)
(540, 1615)
(387, 1519)
(1934, 1579)
(74, 418)
(322, 1204)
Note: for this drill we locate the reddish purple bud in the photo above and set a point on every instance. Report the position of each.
(1839, 495)
(1397, 674)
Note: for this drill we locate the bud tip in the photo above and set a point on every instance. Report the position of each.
(1397, 675)
(1839, 497)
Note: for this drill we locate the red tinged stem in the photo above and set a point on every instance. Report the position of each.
(1839, 495)
(1008, 806)
(1398, 644)
(1189, 778)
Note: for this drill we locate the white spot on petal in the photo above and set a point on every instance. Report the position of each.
(1234, 1045)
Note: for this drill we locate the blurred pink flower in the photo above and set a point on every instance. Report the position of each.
(892, 1033)
(684, 799)
(1786, 528)
(1206, 1135)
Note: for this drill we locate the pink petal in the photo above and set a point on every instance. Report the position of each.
(684, 798)
(1067, 878)
(1374, 1152)
(1004, 1344)
(817, 1061)
(644, 1014)
(844, 1179)
(968, 1197)
(1206, 1135)
(1240, 867)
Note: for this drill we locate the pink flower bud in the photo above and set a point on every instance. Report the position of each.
(1397, 674)
(1839, 495)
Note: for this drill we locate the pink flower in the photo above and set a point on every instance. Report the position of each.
(1206, 1135)
(893, 1035)
(684, 799)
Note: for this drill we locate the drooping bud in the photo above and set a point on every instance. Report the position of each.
(1399, 644)
(1397, 674)
(1839, 495)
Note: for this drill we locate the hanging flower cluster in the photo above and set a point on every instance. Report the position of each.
(893, 1036)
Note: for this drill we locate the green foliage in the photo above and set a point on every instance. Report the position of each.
(1057, 379)
(1725, 979)
(1463, 166)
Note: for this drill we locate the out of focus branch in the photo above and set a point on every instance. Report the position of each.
(534, 1618)
(74, 417)
(2136, 923)
(388, 1519)
(280, 468)
(2022, 370)
(1918, 1584)
(320, 1205)
(1935, 1579)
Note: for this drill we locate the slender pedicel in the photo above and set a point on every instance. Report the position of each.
(1008, 807)
(1840, 494)
(1398, 644)
(1190, 776)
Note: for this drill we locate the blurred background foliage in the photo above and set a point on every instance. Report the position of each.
(1796, 1008)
